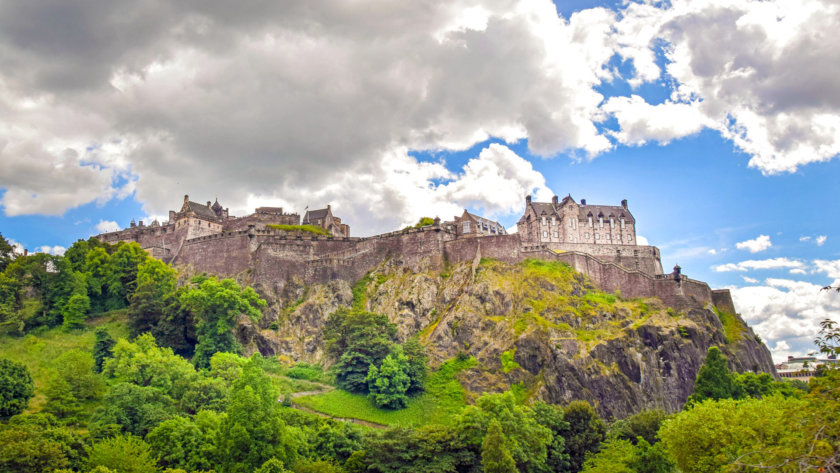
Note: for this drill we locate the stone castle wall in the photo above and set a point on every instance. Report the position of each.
(274, 256)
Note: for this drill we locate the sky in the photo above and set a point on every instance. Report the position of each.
(718, 120)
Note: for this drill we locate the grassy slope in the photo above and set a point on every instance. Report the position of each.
(38, 352)
(299, 228)
(443, 399)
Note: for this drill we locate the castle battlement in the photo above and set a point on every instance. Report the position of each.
(207, 239)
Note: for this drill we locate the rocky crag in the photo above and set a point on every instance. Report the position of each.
(537, 326)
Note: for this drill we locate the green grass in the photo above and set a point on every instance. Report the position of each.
(360, 292)
(443, 399)
(299, 228)
(39, 352)
(732, 327)
(508, 364)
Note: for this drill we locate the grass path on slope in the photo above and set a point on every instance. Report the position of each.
(443, 399)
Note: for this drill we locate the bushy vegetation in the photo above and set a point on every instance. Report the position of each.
(112, 396)
(299, 228)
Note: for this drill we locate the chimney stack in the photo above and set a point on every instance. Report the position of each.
(554, 200)
(527, 199)
(624, 203)
(582, 201)
(186, 198)
(208, 204)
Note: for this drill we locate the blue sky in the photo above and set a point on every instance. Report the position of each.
(728, 162)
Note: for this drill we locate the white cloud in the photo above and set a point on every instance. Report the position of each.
(798, 271)
(749, 280)
(804, 238)
(712, 251)
(105, 226)
(828, 267)
(641, 122)
(53, 250)
(773, 263)
(821, 240)
(282, 101)
(763, 73)
(786, 313)
(760, 243)
(640, 240)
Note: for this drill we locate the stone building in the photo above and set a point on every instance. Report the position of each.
(566, 221)
(325, 219)
(469, 225)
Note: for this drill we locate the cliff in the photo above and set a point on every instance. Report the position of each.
(539, 326)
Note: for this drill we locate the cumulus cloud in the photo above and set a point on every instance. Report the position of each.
(53, 250)
(640, 240)
(640, 122)
(820, 241)
(760, 243)
(830, 268)
(280, 101)
(105, 226)
(749, 280)
(786, 313)
(773, 263)
(762, 73)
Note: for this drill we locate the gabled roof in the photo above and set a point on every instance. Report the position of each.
(314, 215)
(200, 210)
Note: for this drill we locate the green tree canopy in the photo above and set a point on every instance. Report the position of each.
(123, 454)
(16, 387)
(156, 282)
(389, 383)
(37, 442)
(495, 457)
(714, 380)
(585, 433)
(103, 348)
(217, 305)
(357, 340)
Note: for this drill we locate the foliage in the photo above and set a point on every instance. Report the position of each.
(417, 361)
(72, 383)
(585, 433)
(732, 327)
(75, 312)
(134, 409)
(644, 425)
(217, 304)
(7, 253)
(36, 442)
(430, 449)
(16, 387)
(184, 442)
(121, 274)
(439, 404)
(526, 439)
(122, 454)
(357, 340)
(622, 456)
(272, 465)
(156, 283)
(306, 371)
(389, 383)
(763, 384)
(103, 348)
(508, 364)
(423, 222)
(495, 457)
(551, 417)
(714, 380)
(715, 434)
(300, 228)
(253, 431)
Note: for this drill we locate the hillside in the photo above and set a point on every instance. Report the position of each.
(537, 327)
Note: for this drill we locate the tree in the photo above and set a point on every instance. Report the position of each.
(121, 274)
(253, 430)
(714, 380)
(75, 312)
(390, 382)
(156, 283)
(37, 442)
(185, 443)
(136, 409)
(123, 454)
(495, 457)
(356, 340)
(585, 433)
(217, 305)
(16, 387)
(7, 253)
(74, 382)
(103, 348)
(643, 425)
(622, 456)
(551, 417)
(272, 465)
(417, 361)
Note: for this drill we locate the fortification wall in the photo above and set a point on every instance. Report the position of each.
(501, 247)
(224, 254)
(642, 258)
(722, 299)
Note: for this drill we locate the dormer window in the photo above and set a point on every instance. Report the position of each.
(590, 220)
(543, 220)
(601, 221)
(612, 222)
(622, 222)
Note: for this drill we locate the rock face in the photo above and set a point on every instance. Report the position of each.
(562, 338)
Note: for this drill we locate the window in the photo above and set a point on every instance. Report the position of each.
(545, 234)
(612, 222)
(586, 235)
(543, 220)
(601, 222)
(629, 238)
(555, 234)
(636, 253)
(597, 236)
(590, 221)
(607, 236)
(618, 236)
(466, 227)
(622, 223)
(554, 220)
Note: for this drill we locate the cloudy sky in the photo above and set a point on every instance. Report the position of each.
(719, 121)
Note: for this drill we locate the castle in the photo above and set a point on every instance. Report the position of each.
(597, 240)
